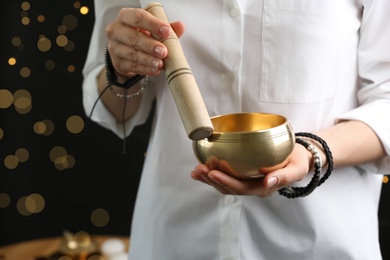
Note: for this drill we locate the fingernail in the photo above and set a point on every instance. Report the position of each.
(155, 64)
(159, 51)
(272, 182)
(165, 30)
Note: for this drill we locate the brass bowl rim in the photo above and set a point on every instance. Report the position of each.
(252, 132)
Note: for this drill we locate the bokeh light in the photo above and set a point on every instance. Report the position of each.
(50, 65)
(44, 44)
(70, 22)
(41, 18)
(22, 155)
(69, 46)
(11, 162)
(12, 61)
(62, 40)
(5, 200)
(100, 217)
(84, 10)
(25, 72)
(44, 127)
(61, 159)
(25, 20)
(34, 203)
(25, 6)
(6, 98)
(22, 101)
(31, 204)
(75, 124)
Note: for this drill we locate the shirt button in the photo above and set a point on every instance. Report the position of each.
(229, 199)
(234, 12)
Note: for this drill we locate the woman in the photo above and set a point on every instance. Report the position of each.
(325, 65)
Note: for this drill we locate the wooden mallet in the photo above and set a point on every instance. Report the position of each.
(181, 81)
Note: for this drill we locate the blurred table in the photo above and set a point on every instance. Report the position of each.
(30, 250)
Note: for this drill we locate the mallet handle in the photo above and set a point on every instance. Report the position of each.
(182, 84)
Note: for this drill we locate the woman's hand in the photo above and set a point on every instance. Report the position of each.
(132, 48)
(296, 168)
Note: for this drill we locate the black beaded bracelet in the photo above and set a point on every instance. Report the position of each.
(316, 181)
(112, 78)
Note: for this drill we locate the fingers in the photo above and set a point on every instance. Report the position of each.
(226, 184)
(132, 49)
(126, 60)
(178, 27)
(205, 178)
(141, 19)
(295, 170)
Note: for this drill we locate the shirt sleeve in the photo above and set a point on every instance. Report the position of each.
(105, 13)
(374, 71)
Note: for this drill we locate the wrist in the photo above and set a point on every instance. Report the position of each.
(114, 78)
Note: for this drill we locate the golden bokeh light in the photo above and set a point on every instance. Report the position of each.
(34, 203)
(21, 206)
(22, 155)
(22, 93)
(71, 161)
(385, 179)
(6, 98)
(16, 41)
(61, 29)
(1, 133)
(5, 200)
(61, 159)
(25, 6)
(64, 162)
(50, 65)
(39, 127)
(71, 68)
(41, 18)
(57, 152)
(22, 101)
(61, 163)
(44, 127)
(100, 217)
(44, 44)
(84, 10)
(25, 72)
(70, 46)
(11, 162)
(26, 20)
(76, 4)
(75, 124)
(12, 61)
(23, 111)
(69, 21)
(62, 40)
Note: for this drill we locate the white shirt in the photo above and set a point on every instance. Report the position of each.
(299, 58)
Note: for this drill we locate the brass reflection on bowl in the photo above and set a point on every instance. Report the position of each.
(245, 145)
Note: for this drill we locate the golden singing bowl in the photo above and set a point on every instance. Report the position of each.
(246, 145)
